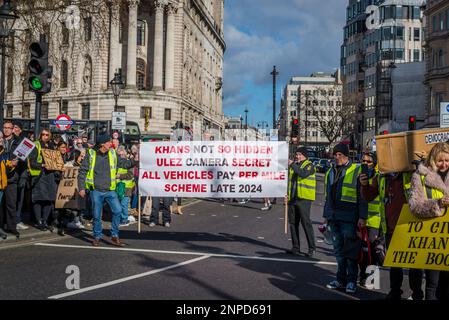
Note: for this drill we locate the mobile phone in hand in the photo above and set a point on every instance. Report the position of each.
(364, 168)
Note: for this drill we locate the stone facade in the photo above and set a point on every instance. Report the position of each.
(170, 53)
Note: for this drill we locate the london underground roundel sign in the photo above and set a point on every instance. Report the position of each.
(63, 122)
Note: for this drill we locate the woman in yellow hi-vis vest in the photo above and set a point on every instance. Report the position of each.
(429, 198)
(301, 193)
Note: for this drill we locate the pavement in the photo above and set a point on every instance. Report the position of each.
(214, 251)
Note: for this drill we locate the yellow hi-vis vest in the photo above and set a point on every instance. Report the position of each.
(431, 193)
(36, 172)
(112, 164)
(349, 189)
(407, 184)
(306, 188)
(129, 184)
(373, 220)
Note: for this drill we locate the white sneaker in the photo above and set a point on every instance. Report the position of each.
(22, 226)
(79, 225)
(152, 224)
(167, 224)
(131, 219)
(242, 202)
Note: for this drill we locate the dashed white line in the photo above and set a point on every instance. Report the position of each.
(114, 282)
(261, 238)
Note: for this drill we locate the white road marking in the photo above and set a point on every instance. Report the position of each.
(192, 214)
(258, 217)
(261, 238)
(236, 216)
(114, 282)
(214, 215)
(215, 255)
(281, 218)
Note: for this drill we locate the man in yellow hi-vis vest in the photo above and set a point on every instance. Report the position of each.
(300, 194)
(98, 175)
(344, 209)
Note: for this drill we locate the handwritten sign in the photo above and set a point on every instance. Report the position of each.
(67, 196)
(218, 169)
(53, 160)
(419, 243)
(24, 149)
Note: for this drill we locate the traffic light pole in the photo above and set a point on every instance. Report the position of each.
(2, 83)
(37, 116)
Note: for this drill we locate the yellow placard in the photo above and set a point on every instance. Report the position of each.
(419, 243)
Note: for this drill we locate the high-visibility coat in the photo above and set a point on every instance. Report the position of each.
(112, 155)
(129, 184)
(36, 172)
(306, 187)
(349, 189)
(373, 220)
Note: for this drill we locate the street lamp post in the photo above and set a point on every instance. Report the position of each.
(246, 124)
(7, 21)
(263, 125)
(117, 85)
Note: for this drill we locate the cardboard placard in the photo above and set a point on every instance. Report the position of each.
(68, 193)
(53, 160)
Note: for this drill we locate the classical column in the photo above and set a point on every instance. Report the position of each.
(158, 44)
(114, 45)
(170, 53)
(132, 44)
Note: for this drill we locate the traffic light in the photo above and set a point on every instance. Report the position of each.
(412, 123)
(295, 127)
(40, 71)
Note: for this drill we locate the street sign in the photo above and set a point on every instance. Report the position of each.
(444, 114)
(118, 120)
(63, 122)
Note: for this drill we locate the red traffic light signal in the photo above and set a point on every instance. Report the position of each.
(412, 122)
(295, 121)
(295, 127)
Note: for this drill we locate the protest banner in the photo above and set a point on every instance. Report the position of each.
(24, 149)
(419, 243)
(53, 160)
(68, 196)
(214, 169)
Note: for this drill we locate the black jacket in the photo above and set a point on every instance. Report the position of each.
(14, 174)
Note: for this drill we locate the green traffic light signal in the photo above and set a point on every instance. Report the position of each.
(35, 83)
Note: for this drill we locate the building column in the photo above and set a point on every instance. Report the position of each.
(114, 45)
(158, 62)
(170, 53)
(132, 44)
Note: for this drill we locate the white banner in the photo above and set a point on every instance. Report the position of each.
(214, 169)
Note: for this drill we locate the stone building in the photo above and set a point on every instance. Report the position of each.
(437, 62)
(169, 53)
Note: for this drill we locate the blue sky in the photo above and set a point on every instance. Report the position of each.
(298, 36)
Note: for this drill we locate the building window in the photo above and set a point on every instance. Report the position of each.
(141, 74)
(63, 107)
(26, 111)
(140, 32)
(331, 113)
(65, 35)
(85, 111)
(415, 54)
(416, 34)
(322, 103)
(144, 111)
(88, 28)
(9, 81)
(44, 110)
(9, 111)
(167, 114)
(64, 74)
(119, 109)
(441, 62)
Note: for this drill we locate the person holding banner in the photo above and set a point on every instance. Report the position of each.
(344, 211)
(301, 193)
(393, 190)
(429, 198)
(44, 183)
(98, 173)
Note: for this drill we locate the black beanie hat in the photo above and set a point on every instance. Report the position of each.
(103, 139)
(303, 151)
(343, 148)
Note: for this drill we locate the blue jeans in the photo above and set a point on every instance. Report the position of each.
(347, 268)
(97, 199)
(124, 203)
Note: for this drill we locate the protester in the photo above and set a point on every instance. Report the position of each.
(429, 198)
(373, 221)
(3, 181)
(300, 194)
(267, 204)
(344, 211)
(98, 174)
(155, 206)
(393, 190)
(14, 172)
(84, 142)
(127, 178)
(44, 183)
(22, 184)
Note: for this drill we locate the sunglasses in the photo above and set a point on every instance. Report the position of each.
(45, 135)
(366, 161)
